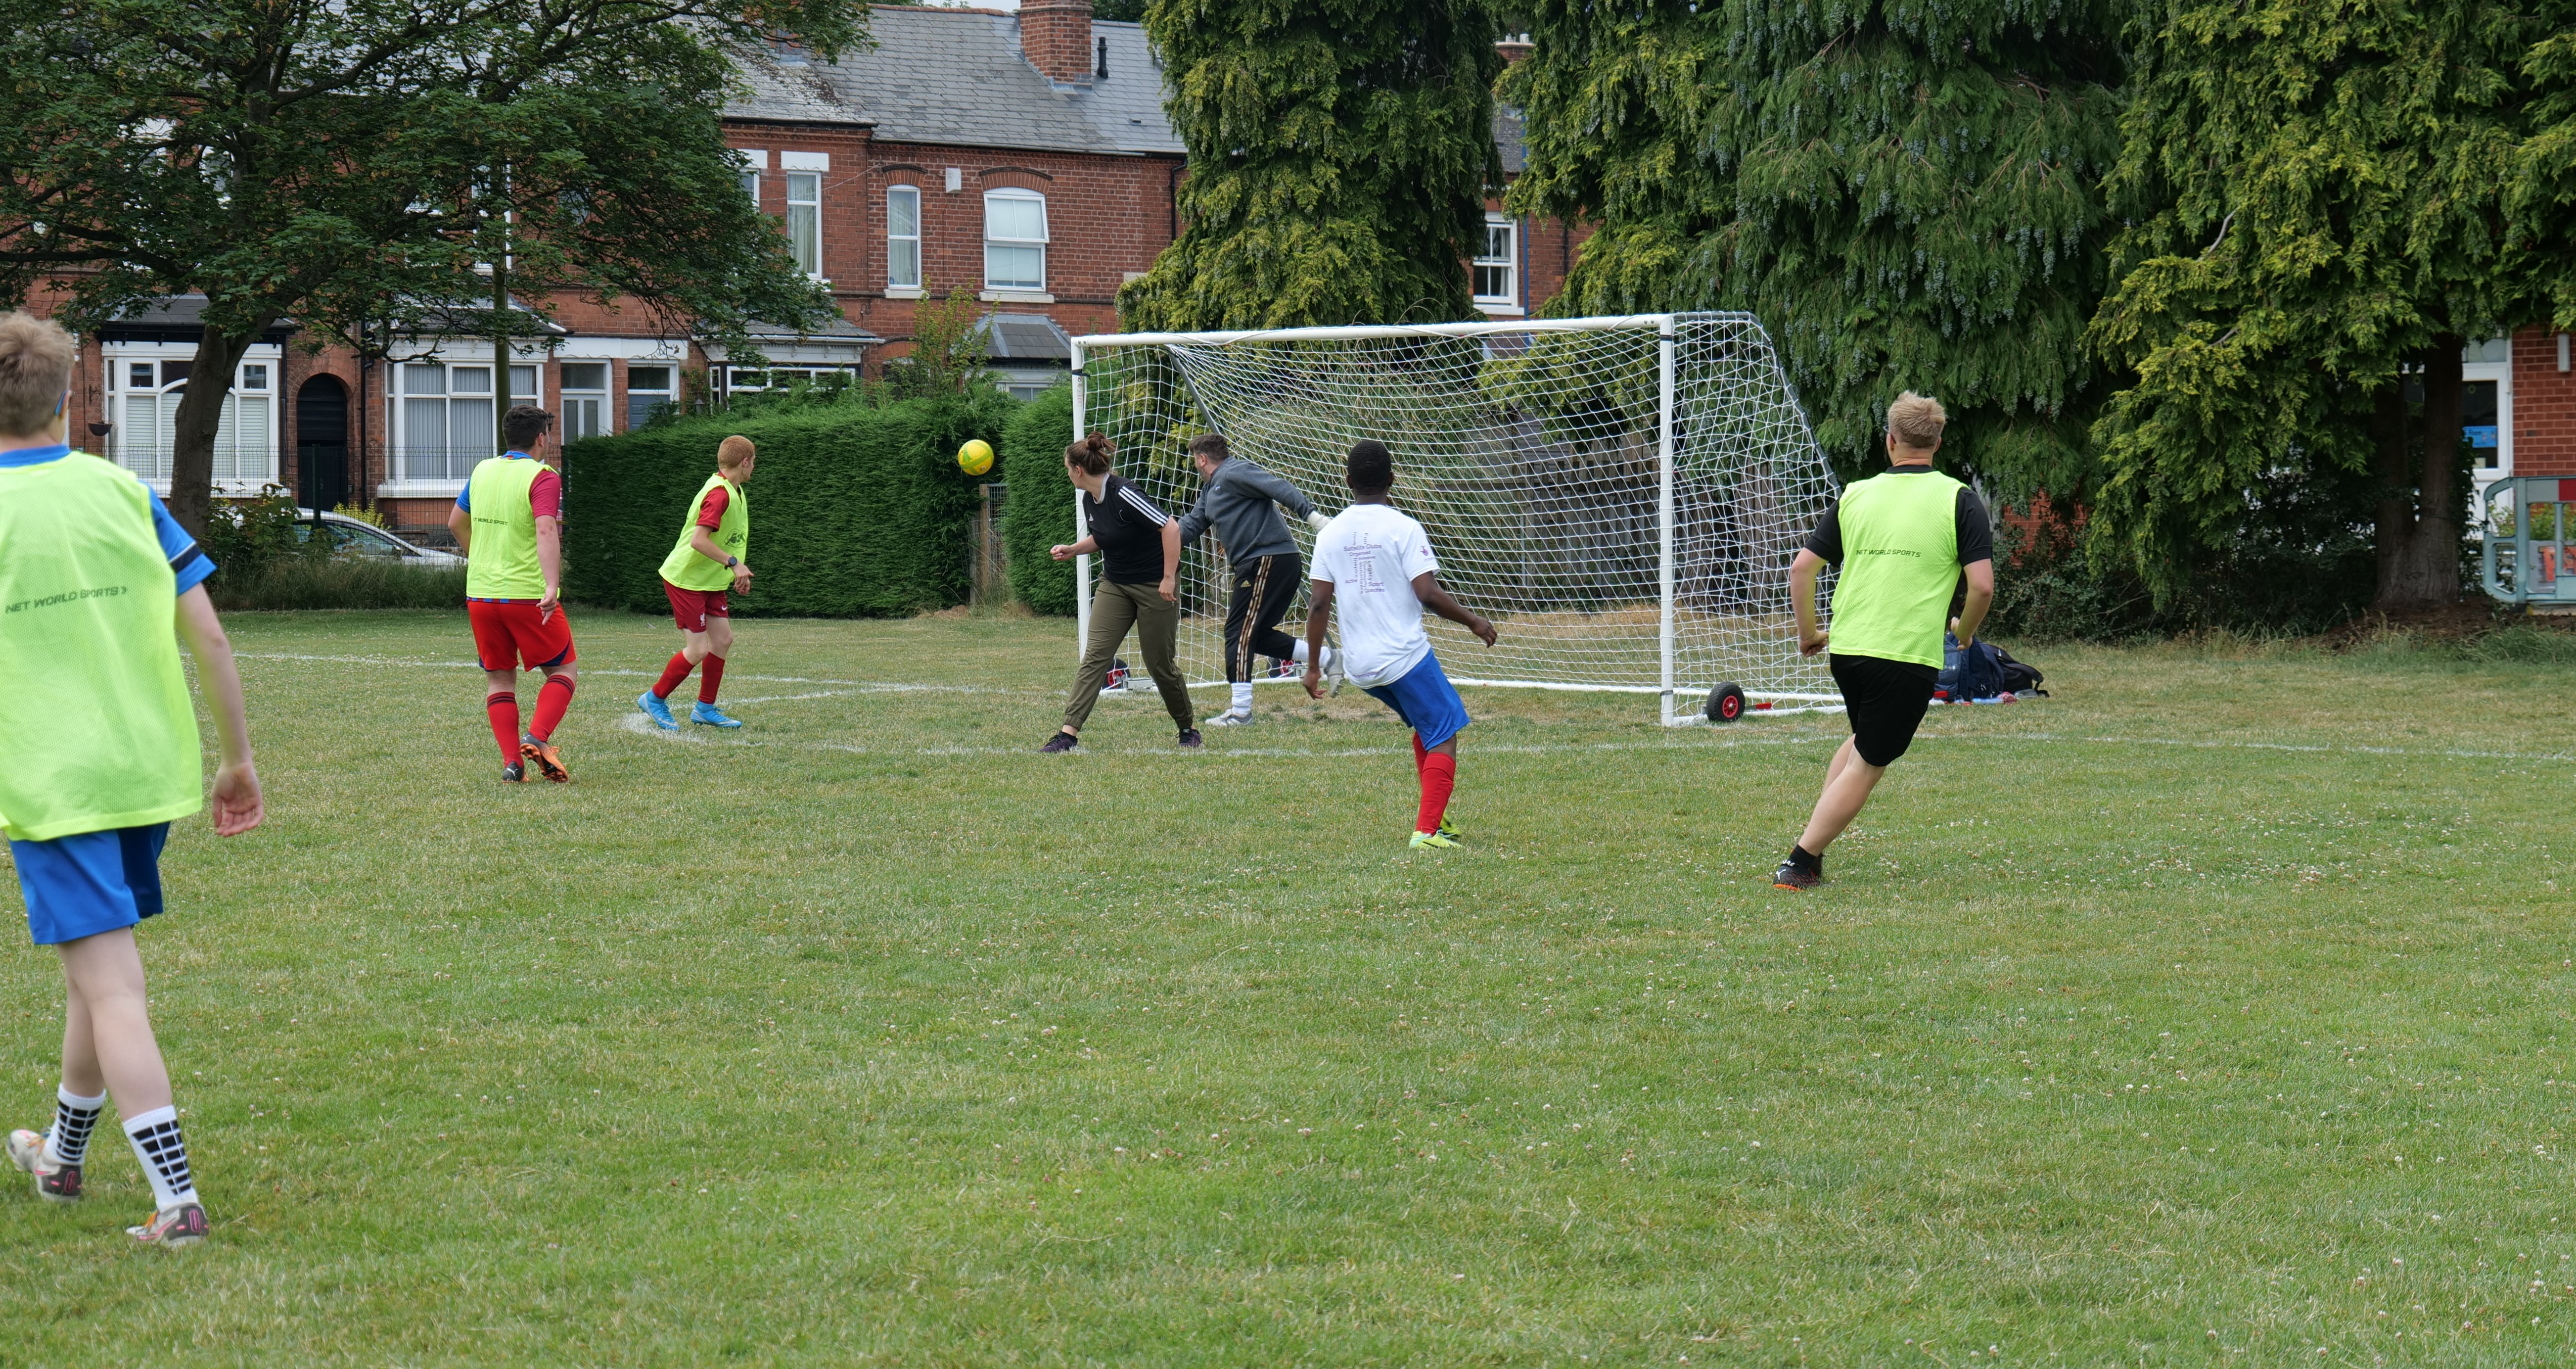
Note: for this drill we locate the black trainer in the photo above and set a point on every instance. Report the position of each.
(1060, 743)
(1792, 875)
(514, 774)
(1190, 740)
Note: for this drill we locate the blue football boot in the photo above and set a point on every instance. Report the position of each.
(712, 716)
(658, 709)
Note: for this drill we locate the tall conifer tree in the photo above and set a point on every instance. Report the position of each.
(1905, 194)
(1339, 154)
(2318, 197)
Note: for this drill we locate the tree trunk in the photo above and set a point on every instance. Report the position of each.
(2419, 506)
(500, 348)
(193, 428)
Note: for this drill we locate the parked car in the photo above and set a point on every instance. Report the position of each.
(351, 537)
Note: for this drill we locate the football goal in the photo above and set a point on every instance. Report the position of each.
(1622, 496)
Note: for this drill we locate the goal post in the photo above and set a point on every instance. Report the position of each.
(1622, 496)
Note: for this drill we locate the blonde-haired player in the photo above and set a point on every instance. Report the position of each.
(706, 562)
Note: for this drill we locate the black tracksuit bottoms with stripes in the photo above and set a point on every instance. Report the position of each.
(1264, 586)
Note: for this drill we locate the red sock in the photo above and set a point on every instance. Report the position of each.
(1418, 754)
(672, 674)
(709, 679)
(551, 703)
(1439, 776)
(504, 712)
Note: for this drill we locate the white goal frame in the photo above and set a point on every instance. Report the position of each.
(1717, 381)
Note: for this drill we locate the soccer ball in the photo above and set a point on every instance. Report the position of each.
(976, 457)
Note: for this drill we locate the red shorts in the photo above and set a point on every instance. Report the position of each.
(691, 608)
(507, 635)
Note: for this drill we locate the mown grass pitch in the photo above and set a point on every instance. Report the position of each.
(2216, 1005)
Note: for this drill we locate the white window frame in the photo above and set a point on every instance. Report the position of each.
(806, 214)
(669, 393)
(754, 162)
(1506, 301)
(245, 452)
(730, 377)
(1016, 290)
(602, 419)
(896, 288)
(404, 478)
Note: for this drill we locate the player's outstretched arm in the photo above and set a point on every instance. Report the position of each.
(1066, 551)
(1319, 615)
(1426, 587)
(238, 807)
(1273, 486)
(1802, 596)
(1196, 521)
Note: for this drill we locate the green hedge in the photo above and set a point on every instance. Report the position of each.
(857, 510)
(1040, 512)
(340, 582)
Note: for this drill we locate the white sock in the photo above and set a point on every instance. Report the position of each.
(1242, 698)
(157, 1144)
(67, 1140)
(1299, 655)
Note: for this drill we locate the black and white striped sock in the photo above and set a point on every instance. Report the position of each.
(67, 1140)
(157, 1144)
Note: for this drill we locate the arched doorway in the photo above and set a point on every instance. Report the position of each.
(322, 443)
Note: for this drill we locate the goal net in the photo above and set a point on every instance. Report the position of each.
(1622, 496)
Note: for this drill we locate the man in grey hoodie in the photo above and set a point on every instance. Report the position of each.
(1241, 502)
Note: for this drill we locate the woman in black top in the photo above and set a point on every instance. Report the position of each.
(1141, 549)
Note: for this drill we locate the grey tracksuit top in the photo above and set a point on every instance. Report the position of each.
(1242, 502)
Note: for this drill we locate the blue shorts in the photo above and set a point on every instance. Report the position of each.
(1427, 702)
(93, 882)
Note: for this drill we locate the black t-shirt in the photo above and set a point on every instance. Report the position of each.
(1976, 535)
(1130, 532)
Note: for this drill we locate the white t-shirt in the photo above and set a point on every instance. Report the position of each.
(1370, 554)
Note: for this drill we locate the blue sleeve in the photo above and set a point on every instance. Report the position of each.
(188, 561)
(462, 501)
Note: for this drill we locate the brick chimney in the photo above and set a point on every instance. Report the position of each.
(1055, 35)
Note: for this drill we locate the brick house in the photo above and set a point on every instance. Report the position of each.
(1020, 158)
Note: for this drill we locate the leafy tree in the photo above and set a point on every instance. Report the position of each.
(949, 344)
(2317, 205)
(349, 165)
(1339, 153)
(1907, 196)
(2543, 197)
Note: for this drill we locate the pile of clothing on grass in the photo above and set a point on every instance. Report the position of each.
(1984, 674)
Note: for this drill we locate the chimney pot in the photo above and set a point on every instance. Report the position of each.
(1055, 37)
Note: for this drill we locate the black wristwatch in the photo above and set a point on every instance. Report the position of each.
(732, 561)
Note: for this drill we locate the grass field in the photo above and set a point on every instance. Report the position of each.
(2214, 1010)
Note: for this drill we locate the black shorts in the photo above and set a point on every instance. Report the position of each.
(1886, 700)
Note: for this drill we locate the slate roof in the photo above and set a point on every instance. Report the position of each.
(179, 318)
(1026, 337)
(832, 330)
(957, 77)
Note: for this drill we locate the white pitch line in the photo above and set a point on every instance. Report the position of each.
(1678, 744)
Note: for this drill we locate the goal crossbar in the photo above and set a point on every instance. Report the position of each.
(1621, 494)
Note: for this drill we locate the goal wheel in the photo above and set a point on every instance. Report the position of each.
(1726, 703)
